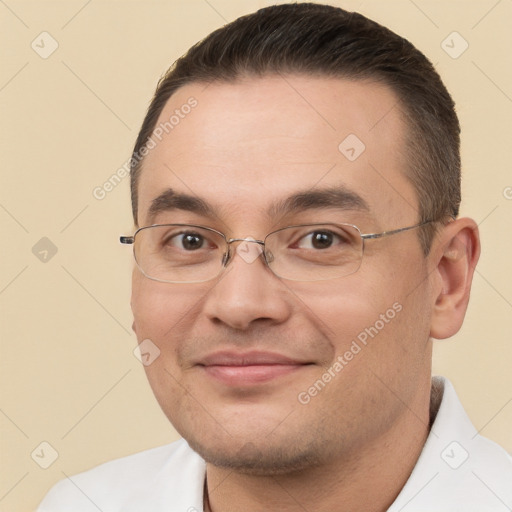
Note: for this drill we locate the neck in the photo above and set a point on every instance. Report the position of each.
(368, 479)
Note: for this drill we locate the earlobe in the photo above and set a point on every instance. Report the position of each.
(458, 253)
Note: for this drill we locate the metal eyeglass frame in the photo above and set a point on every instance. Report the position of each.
(130, 240)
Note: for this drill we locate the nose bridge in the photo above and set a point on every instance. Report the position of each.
(248, 239)
(249, 249)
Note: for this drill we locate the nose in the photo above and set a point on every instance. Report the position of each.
(247, 292)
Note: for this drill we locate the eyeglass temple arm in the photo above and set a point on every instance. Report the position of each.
(394, 231)
(127, 239)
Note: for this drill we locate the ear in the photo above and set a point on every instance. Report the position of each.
(456, 253)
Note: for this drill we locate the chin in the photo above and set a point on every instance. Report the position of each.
(260, 459)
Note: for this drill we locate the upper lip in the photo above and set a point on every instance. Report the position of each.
(253, 358)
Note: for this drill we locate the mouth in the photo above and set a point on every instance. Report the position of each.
(249, 368)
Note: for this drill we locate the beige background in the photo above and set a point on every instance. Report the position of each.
(68, 374)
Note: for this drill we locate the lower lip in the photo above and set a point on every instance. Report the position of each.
(250, 374)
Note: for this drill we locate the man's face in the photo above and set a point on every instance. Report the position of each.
(245, 359)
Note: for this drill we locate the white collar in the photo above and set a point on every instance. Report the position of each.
(457, 469)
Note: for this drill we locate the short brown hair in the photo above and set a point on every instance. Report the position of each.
(315, 39)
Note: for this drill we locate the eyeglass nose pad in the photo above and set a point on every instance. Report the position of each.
(269, 257)
(225, 258)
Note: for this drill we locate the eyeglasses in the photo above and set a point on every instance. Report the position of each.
(183, 253)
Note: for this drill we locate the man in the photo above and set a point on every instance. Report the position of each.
(296, 187)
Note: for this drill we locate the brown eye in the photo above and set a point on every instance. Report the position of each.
(187, 241)
(318, 240)
(321, 240)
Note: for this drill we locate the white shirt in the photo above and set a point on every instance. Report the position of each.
(458, 470)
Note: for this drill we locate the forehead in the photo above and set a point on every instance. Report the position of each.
(248, 143)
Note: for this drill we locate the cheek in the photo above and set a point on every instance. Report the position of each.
(161, 308)
(341, 309)
(164, 313)
(379, 314)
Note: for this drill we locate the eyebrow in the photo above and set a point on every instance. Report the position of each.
(339, 197)
(170, 200)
